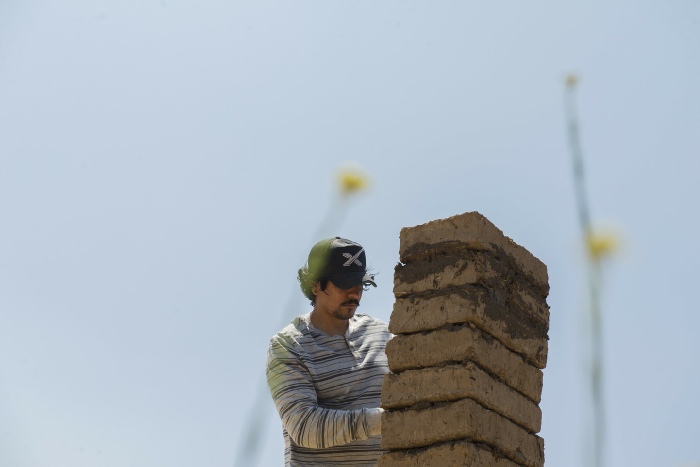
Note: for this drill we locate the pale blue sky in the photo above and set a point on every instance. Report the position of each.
(164, 167)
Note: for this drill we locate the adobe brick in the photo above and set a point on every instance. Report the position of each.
(466, 343)
(505, 314)
(455, 382)
(449, 270)
(474, 231)
(461, 420)
(456, 454)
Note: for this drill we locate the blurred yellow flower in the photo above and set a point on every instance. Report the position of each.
(351, 181)
(571, 80)
(601, 244)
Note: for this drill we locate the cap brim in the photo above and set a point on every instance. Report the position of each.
(349, 280)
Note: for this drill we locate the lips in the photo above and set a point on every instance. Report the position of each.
(351, 303)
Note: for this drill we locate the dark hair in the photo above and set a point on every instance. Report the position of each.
(307, 282)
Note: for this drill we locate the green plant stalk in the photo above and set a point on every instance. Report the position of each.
(594, 280)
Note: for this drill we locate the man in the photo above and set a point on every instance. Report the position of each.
(325, 369)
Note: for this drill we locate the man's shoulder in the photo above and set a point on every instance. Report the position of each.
(292, 332)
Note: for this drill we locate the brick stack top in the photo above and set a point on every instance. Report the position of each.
(467, 259)
(473, 231)
(470, 323)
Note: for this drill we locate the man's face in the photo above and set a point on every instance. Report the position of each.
(339, 303)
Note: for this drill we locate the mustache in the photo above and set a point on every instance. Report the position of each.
(352, 301)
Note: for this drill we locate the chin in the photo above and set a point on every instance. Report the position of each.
(343, 314)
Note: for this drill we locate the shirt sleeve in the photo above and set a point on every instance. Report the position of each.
(307, 424)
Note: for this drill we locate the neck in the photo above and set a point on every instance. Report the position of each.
(331, 326)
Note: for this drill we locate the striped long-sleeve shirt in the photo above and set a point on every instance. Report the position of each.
(327, 390)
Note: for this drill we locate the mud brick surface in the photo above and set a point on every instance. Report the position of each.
(473, 231)
(453, 382)
(457, 454)
(445, 269)
(465, 343)
(467, 267)
(461, 420)
(500, 313)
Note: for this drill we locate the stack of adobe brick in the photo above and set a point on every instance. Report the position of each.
(470, 323)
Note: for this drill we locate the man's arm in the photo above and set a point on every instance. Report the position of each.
(295, 397)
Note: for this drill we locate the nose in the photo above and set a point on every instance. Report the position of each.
(355, 291)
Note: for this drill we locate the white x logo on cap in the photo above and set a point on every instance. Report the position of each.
(353, 258)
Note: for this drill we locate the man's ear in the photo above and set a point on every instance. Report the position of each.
(316, 288)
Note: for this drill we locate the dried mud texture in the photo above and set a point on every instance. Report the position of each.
(456, 454)
(499, 312)
(460, 269)
(465, 343)
(438, 269)
(453, 382)
(461, 420)
(476, 232)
